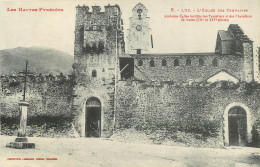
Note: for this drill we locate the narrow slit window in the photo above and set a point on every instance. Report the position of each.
(81, 32)
(201, 62)
(215, 62)
(94, 73)
(176, 63)
(152, 63)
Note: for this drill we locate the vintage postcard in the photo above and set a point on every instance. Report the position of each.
(121, 83)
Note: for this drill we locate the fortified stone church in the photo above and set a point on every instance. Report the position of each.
(114, 90)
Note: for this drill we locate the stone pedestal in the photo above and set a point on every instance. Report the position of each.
(21, 142)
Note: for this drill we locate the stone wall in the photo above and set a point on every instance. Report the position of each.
(49, 111)
(196, 109)
(233, 64)
(45, 97)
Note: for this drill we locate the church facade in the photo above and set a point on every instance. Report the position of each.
(116, 90)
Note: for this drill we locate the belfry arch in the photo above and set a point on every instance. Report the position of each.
(237, 125)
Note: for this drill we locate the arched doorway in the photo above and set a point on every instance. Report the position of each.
(93, 118)
(237, 125)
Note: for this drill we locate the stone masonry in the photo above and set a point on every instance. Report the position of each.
(164, 91)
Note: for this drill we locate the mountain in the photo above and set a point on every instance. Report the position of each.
(41, 60)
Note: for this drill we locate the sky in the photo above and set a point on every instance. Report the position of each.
(56, 29)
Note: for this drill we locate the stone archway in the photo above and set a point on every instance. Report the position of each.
(93, 117)
(237, 125)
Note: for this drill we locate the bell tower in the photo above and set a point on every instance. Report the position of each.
(139, 33)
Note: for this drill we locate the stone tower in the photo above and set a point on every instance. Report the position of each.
(99, 39)
(95, 40)
(243, 46)
(235, 42)
(139, 33)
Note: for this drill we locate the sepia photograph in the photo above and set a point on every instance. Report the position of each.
(120, 83)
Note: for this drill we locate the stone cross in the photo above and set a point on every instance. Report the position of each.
(25, 73)
(23, 119)
(21, 142)
(23, 105)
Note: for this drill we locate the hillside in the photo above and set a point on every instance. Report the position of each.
(41, 60)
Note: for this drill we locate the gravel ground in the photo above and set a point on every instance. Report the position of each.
(96, 152)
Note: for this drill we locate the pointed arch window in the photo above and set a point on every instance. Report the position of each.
(152, 63)
(188, 62)
(94, 48)
(176, 63)
(201, 62)
(164, 62)
(100, 47)
(87, 48)
(215, 62)
(140, 62)
(94, 73)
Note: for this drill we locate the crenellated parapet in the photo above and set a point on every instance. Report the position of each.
(36, 82)
(96, 9)
(95, 30)
(34, 78)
